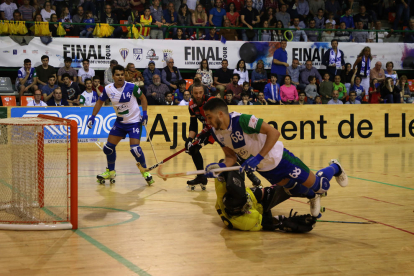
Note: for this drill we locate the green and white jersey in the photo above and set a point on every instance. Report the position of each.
(88, 98)
(125, 101)
(244, 138)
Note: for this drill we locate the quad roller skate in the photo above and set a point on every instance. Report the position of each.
(315, 205)
(148, 177)
(254, 179)
(199, 180)
(106, 175)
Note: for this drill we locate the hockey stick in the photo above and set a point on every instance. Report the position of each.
(153, 150)
(216, 172)
(354, 222)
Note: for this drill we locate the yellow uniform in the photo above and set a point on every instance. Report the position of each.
(250, 221)
(145, 30)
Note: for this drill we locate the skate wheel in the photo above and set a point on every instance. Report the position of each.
(324, 194)
(112, 181)
(101, 181)
(192, 188)
(203, 187)
(322, 210)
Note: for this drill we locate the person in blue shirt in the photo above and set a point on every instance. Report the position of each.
(212, 35)
(348, 19)
(271, 91)
(171, 18)
(149, 73)
(279, 63)
(217, 14)
(87, 32)
(179, 92)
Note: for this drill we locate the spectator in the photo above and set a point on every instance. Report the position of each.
(122, 9)
(223, 77)
(244, 99)
(228, 34)
(294, 71)
(340, 88)
(212, 35)
(26, 78)
(271, 4)
(288, 92)
(283, 16)
(199, 17)
(232, 15)
(217, 14)
(381, 35)
(318, 100)
(137, 5)
(201, 35)
(89, 96)
(88, 29)
(374, 92)
(301, 99)
(242, 71)
(405, 90)
(44, 71)
(229, 98)
(266, 34)
(278, 35)
(259, 6)
(85, 73)
(302, 8)
(328, 35)
(363, 65)
(402, 9)
(312, 34)
(260, 99)
(269, 17)
(298, 34)
(342, 35)
(156, 91)
(198, 78)
(357, 87)
(78, 18)
(234, 85)
(319, 19)
(335, 100)
(389, 73)
(28, 12)
(108, 72)
(352, 98)
(272, 91)
(168, 97)
(109, 17)
(409, 35)
(378, 73)
(360, 36)
(249, 91)
(364, 17)
(65, 17)
(207, 4)
(315, 6)
(311, 90)
(186, 99)
(206, 73)
(53, 27)
(330, 20)
(191, 5)
(133, 75)
(179, 92)
(309, 70)
(346, 76)
(171, 18)
(48, 89)
(348, 19)
(326, 89)
(184, 18)
(70, 91)
(390, 93)
(47, 12)
(333, 6)
(259, 76)
(57, 99)
(37, 99)
(239, 4)
(7, 9)
(157, 17)
(279, 62)
(334, 61)
(249, 17)
(180, 35)
(170, 74)
(96, 85)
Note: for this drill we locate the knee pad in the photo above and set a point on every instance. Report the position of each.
(136, 151)
(321, 185)
(289, 186)
(109, 148)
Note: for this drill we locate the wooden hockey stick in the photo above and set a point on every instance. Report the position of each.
(153, 150)
(216, 172)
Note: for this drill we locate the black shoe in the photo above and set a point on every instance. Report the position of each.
(254, 179)
(200, 179)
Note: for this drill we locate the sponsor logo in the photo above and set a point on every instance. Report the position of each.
(14, 51)
(6, 52)
(151, 55)
(167, 54)
(97, 54)
(35, 52)
(47, 52)
(124, 53)
(24, 51)
(137, 53)
(296, 172)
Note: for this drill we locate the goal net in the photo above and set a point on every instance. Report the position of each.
(38, 173)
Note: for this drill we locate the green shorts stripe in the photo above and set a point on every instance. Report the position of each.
(294, 160)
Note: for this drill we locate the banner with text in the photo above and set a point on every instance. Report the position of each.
(188, 54)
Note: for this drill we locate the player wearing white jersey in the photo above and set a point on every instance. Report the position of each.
(124, 97)
(257, 142)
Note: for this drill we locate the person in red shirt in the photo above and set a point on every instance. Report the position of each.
(97, 85)
(238, 3)
(374, 92)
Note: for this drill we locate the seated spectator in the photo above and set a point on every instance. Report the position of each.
(242, 71)
(179, 92)
(318, 100)
(44, 71)
(168, 98)
(319, 19)
(67, 69)
(363, 17)
(381, 35)
(259, 76)
(248, 90)
(47, 12)
(302, 8)
(6, 10)
(28, 12)
(217, 14)
(390, 93)
(333, 59)
(26, 78)
(330, 20)
(328, 36)
(57, 99)
(266, 34)
(377, 72)
(228, 34)
(212, 35)
(89, 96)
(374, 92)
(199, 17)
(278, 35)
(360, 36)
(402, 84)
(70, 91)
(389, 72)
(186, 98)
(170, 74)
(326, 89)
(312, 34)
(309, 70)
(109, 17)
(108, 72)
(78, 18)
(348, 19)
(315, 6)
(85, 73)
(37, 99)
(346, 76)
(333, 7)
(184, 19)
(171, 18)
(311, 90)
(122, 9)
(65, 17)
(197, 78)
(157, 19)
(48, 89)
(133, 75)
(156, 91)
(288, 92)
(232, 15)
(234, 86)
(260, 99)
(298, 34)
(342, 35)
(180, 35)
(244, 99)
(269, 17)
(229, 98)
(352, 98)
(301, 100)
(96, 85)
(238, 4)
(223, 77)
(283, 16)
(357, 87)
(201, 35)
(249, 17)
(335, 100)
(88, 29)
(340, 88)
(53, 27)
(272, 91)
(206, 73)
(409, 34)
(294, 71)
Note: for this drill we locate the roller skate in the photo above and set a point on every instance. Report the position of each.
(341, 178)
(199, 180)
(254, 179)
(315, 205)
(106, 175)
(148, 177)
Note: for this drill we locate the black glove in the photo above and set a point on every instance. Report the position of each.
(297, 224)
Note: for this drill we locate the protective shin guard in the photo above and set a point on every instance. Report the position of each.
(295, 189)
(109, 150)
(321, 185)
(329, 171)
(137, 152)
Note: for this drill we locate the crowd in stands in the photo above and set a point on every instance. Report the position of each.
(340, 83)
(331, 18)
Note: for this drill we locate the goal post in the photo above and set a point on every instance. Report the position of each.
(39, 173)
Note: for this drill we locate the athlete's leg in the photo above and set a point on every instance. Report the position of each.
(110, 151)
(137, 152)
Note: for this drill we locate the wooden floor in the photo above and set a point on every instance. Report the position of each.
(131, 229)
